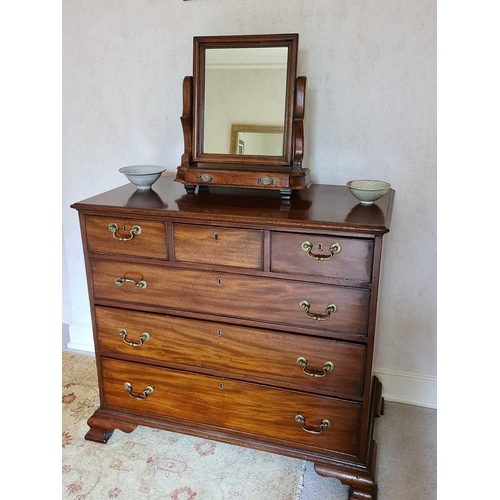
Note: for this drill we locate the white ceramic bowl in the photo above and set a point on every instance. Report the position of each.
(367, 192)
(143, 176)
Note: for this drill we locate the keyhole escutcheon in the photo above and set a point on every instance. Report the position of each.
(219, 281)
(320, 246)
(216, 236)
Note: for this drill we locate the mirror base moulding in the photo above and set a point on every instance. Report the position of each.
(284, 182)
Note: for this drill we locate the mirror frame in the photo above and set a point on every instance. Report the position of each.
(200, 45)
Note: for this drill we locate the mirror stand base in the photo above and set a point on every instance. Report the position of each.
(269, 179)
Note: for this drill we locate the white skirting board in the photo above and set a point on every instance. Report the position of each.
(79, 335)
(400, 387)
(408, 388)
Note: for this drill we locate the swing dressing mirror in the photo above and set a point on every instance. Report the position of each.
(243, 114)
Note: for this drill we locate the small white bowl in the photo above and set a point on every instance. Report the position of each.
(366, 191)
(143, 176)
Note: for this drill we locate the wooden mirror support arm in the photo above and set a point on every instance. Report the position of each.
(187, 120)
(298, 123)
(187, 130)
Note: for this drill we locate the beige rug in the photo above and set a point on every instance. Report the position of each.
(150, 464)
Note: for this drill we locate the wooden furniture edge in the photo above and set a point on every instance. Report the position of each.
(214, 219)
(362, 486)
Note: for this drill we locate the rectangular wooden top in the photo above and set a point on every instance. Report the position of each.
(327, 207)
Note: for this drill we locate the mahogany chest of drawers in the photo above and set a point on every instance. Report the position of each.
(239, 317)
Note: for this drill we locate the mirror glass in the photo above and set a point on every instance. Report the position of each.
(244, 100)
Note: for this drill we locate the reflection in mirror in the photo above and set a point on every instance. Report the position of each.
(256, 140)
(245, 86)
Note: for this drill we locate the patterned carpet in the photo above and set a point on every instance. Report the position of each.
(151, 464)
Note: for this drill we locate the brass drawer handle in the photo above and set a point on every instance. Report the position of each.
(307, 247)
(139, 284)
(143, 338)
(113, 227)
(145, 393)
(330, 308)
(325, 423)
(327, 367)
(266, 180)
(205, 177)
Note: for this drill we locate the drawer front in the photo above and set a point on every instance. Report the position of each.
(218, 246)
(149, 241)
(245, 351)
(231, 295)
(237, 406)
(241, 178)
(348, 258)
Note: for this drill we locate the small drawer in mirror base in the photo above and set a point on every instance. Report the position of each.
(265, 179)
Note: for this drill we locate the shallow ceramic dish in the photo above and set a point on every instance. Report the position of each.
(143, 176)
(366, 191)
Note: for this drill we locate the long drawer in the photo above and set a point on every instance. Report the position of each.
(280, 357)
(237, 406)
(287, 302)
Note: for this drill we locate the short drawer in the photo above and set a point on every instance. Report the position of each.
(282, 302)
(319, 255)
(241, 407)
(218, 246)
(280, 357)
(126, 237)
(240, 178)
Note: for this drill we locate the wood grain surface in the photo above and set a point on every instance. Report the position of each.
(353, 262)
(218, 245)
(239, 406)
(151, 242)
(233, 295)
(219, 347)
